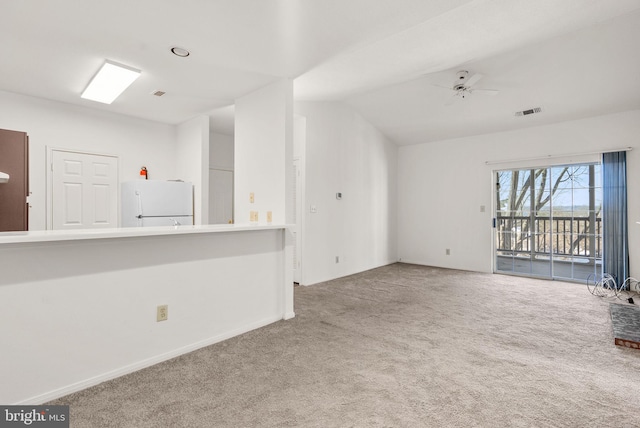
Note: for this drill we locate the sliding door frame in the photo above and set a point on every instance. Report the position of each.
(590, 230)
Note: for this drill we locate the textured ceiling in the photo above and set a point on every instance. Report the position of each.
(471, 32)
(382, 57)
(580, 74)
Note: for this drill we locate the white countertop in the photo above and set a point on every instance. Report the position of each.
(128, 232)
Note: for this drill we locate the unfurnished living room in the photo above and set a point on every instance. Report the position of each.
(320, 213)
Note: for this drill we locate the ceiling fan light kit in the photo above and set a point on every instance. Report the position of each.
(463, 85)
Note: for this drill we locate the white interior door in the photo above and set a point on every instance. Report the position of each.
(84, 190)
(220, 196)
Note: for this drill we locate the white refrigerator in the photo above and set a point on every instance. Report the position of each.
(147, 203)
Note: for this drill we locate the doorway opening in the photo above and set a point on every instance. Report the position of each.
(220, 196)
(548, 222)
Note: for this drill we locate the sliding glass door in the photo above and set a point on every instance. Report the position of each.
(548, 221)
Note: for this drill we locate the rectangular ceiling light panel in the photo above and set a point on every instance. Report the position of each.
(110, 81)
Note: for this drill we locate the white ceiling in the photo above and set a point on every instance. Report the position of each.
(574, 58)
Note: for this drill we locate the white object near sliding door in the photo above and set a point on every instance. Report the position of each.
(83, 190)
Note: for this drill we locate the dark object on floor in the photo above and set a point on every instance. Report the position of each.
(630, 300)
(626, 325)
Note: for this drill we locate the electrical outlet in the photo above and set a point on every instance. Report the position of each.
(252, 198)
(162, 313)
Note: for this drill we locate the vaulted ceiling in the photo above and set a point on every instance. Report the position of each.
(394, 61)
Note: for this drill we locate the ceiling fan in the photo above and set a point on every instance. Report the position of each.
(463, 86)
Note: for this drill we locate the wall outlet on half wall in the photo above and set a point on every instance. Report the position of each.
(162, 313)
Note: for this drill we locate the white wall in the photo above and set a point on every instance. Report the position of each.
(192, 163)
(264, 153)
(221, 151)
(76, 313)
(443, 184)
(56, 125)
(344, 153)
(263, 163)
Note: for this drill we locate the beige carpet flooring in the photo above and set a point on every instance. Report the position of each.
(398, 346)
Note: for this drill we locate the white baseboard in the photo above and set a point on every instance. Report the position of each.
(130, 368)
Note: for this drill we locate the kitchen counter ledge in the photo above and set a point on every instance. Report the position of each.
(128, 232)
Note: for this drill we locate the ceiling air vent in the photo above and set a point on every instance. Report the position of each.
(528, 112)
(158, 93)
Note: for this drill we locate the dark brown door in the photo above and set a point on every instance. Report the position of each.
(14, 160)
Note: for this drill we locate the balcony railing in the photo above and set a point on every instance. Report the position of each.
(557, 236)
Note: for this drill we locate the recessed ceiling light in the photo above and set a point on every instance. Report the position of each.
(180, 52)
(110, 81)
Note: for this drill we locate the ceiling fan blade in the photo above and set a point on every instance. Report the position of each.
(485, 91)
(441, 86)
(473, 79)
